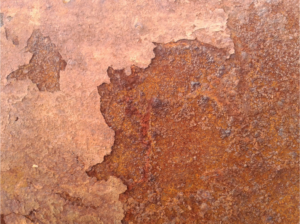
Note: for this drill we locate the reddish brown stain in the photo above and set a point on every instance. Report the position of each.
(45, 65)
(2, 219)
(172, 129)
(200, 138)
(205, 139)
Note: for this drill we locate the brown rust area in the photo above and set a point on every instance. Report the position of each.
(45, 65)
(205, 139)
(174, 127)
(2, 219)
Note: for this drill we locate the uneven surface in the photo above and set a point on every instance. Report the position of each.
(44, 66)
(44, 179)
(172, 132)
(202, 135)
(50, 138)
(202, 139)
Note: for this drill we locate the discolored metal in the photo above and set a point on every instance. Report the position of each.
(45, 65)
(200, 138)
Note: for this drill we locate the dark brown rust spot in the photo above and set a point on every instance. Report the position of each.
(172, 128)
(2, 219)
(45, 65)
(204, 139)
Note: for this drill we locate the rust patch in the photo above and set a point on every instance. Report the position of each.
(2, 219)
(203, 139)
(174, 127)
(45, 65)
(215, 146)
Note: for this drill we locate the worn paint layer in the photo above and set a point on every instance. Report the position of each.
(50, 138)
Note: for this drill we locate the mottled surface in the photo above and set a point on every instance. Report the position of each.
(50, 138)
(202, 139)
(44, 66)
(173, 128)
(228, 152)
(45, 164)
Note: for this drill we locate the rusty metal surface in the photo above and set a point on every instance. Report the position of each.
(199, 137)
(205, 139)
(44, 66)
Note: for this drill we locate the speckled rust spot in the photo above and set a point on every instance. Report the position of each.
(220, 148)
(45, 65)
(173, 130)
(205, 139)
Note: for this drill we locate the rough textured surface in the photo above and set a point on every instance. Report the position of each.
(44, 66)
(173, 126)
(48, 138)
(191, 149)
(237, 165)
(45, 161)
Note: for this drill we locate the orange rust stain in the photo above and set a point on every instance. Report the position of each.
(45, 65)
(173, 129)
(204, 139)
(200, 138)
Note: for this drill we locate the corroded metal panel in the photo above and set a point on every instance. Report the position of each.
(207, 133)
(204, 139)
